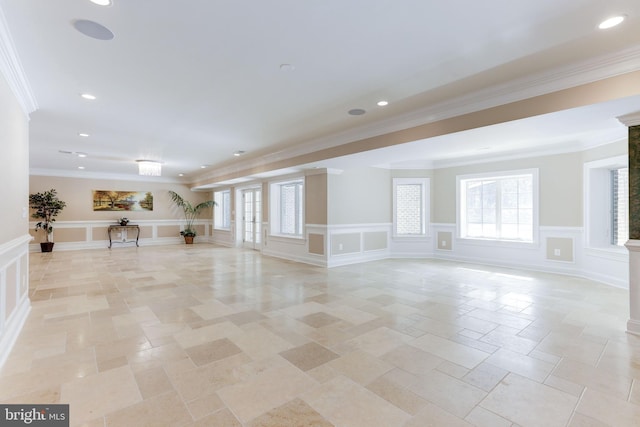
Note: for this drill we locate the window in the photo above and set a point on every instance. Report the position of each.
(287, 213)
(620, 206)
(606, 203)
(499, 206)
(222, 210)
(410, 206)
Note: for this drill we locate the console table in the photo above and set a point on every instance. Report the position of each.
(124, 229)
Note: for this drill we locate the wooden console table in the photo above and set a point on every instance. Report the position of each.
(125, 229)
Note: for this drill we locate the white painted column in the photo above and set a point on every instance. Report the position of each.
(633, 324)
(633, 245)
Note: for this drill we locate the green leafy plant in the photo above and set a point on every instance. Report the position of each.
(191, 212)
(47, 206)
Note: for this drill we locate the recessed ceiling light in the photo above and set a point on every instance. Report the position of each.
(84, 135)
(88, 96)
(80, 167)
(93, 29)
(383, 103)
(611, 22)
(203, 167)
(180, 174)
(81, 154)
(101, 2)
(357, 112)
(238, 153)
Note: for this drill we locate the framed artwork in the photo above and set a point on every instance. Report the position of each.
(104, 200)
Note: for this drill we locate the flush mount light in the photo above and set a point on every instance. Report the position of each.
(81, 167)
(203, 167)
(383, 103)
(356, 112)
(88, 96)
(180, 174)
(238, 153)
(101, 2)
(149, 167)
(83, 135)
(611, 22)
(80, 154)
(93, 29)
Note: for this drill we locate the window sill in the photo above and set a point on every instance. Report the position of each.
(498, 243)
(411, 238)
(287, 239)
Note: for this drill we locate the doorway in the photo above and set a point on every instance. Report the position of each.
(251, 218)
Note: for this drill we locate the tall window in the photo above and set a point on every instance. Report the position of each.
(620, 206)
(498, 206)
(222, 210)
(410, 206)
(606, 204)
(287, 213)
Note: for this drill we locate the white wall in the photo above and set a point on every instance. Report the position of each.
(14, 235)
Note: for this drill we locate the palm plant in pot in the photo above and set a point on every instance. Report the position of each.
(46, 206)
(191, 213)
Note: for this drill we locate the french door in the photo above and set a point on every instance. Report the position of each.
(251, 218)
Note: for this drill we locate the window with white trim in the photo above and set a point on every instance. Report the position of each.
(619, 206)
(606, 203)
(222, 210)
(287, 208)
(499, 206)
(410, 207)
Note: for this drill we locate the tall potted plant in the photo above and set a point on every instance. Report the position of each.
(191, 212)
(46, 206)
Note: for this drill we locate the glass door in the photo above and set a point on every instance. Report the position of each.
(251, 218)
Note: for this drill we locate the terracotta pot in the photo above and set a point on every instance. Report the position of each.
(46, 246)
(188, 240)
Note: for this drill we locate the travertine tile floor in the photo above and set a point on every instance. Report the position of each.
(209, 336)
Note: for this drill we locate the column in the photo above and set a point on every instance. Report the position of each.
(633, 245)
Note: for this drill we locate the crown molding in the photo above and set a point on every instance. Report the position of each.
(629, 120)
(561, 78)
(99, 175)
(11, 69)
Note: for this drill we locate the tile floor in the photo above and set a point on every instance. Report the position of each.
(208, 336)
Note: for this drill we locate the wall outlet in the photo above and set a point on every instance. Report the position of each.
(556, 252)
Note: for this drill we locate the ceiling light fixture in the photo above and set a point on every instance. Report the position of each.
(101, 2)
(238, 153)
(149, 167)
(611, 22)
(83, 135)
(203, 167)
(81, 154)
(88, 96)
(81, 167)
(356, 112)
(383, 103)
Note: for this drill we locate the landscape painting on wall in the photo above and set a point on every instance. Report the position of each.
(122, 200)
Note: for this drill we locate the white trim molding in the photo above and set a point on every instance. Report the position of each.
(11, 69)
(14, 292)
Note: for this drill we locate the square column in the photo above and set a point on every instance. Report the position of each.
(633, 245)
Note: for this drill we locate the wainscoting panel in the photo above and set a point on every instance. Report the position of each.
(14, 291)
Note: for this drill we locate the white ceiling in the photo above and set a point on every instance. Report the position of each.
(189, 83)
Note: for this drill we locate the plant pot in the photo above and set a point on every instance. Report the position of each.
(46, 246)
(188, 240)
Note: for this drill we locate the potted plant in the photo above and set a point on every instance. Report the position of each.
(191, 212)
(46, 206)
